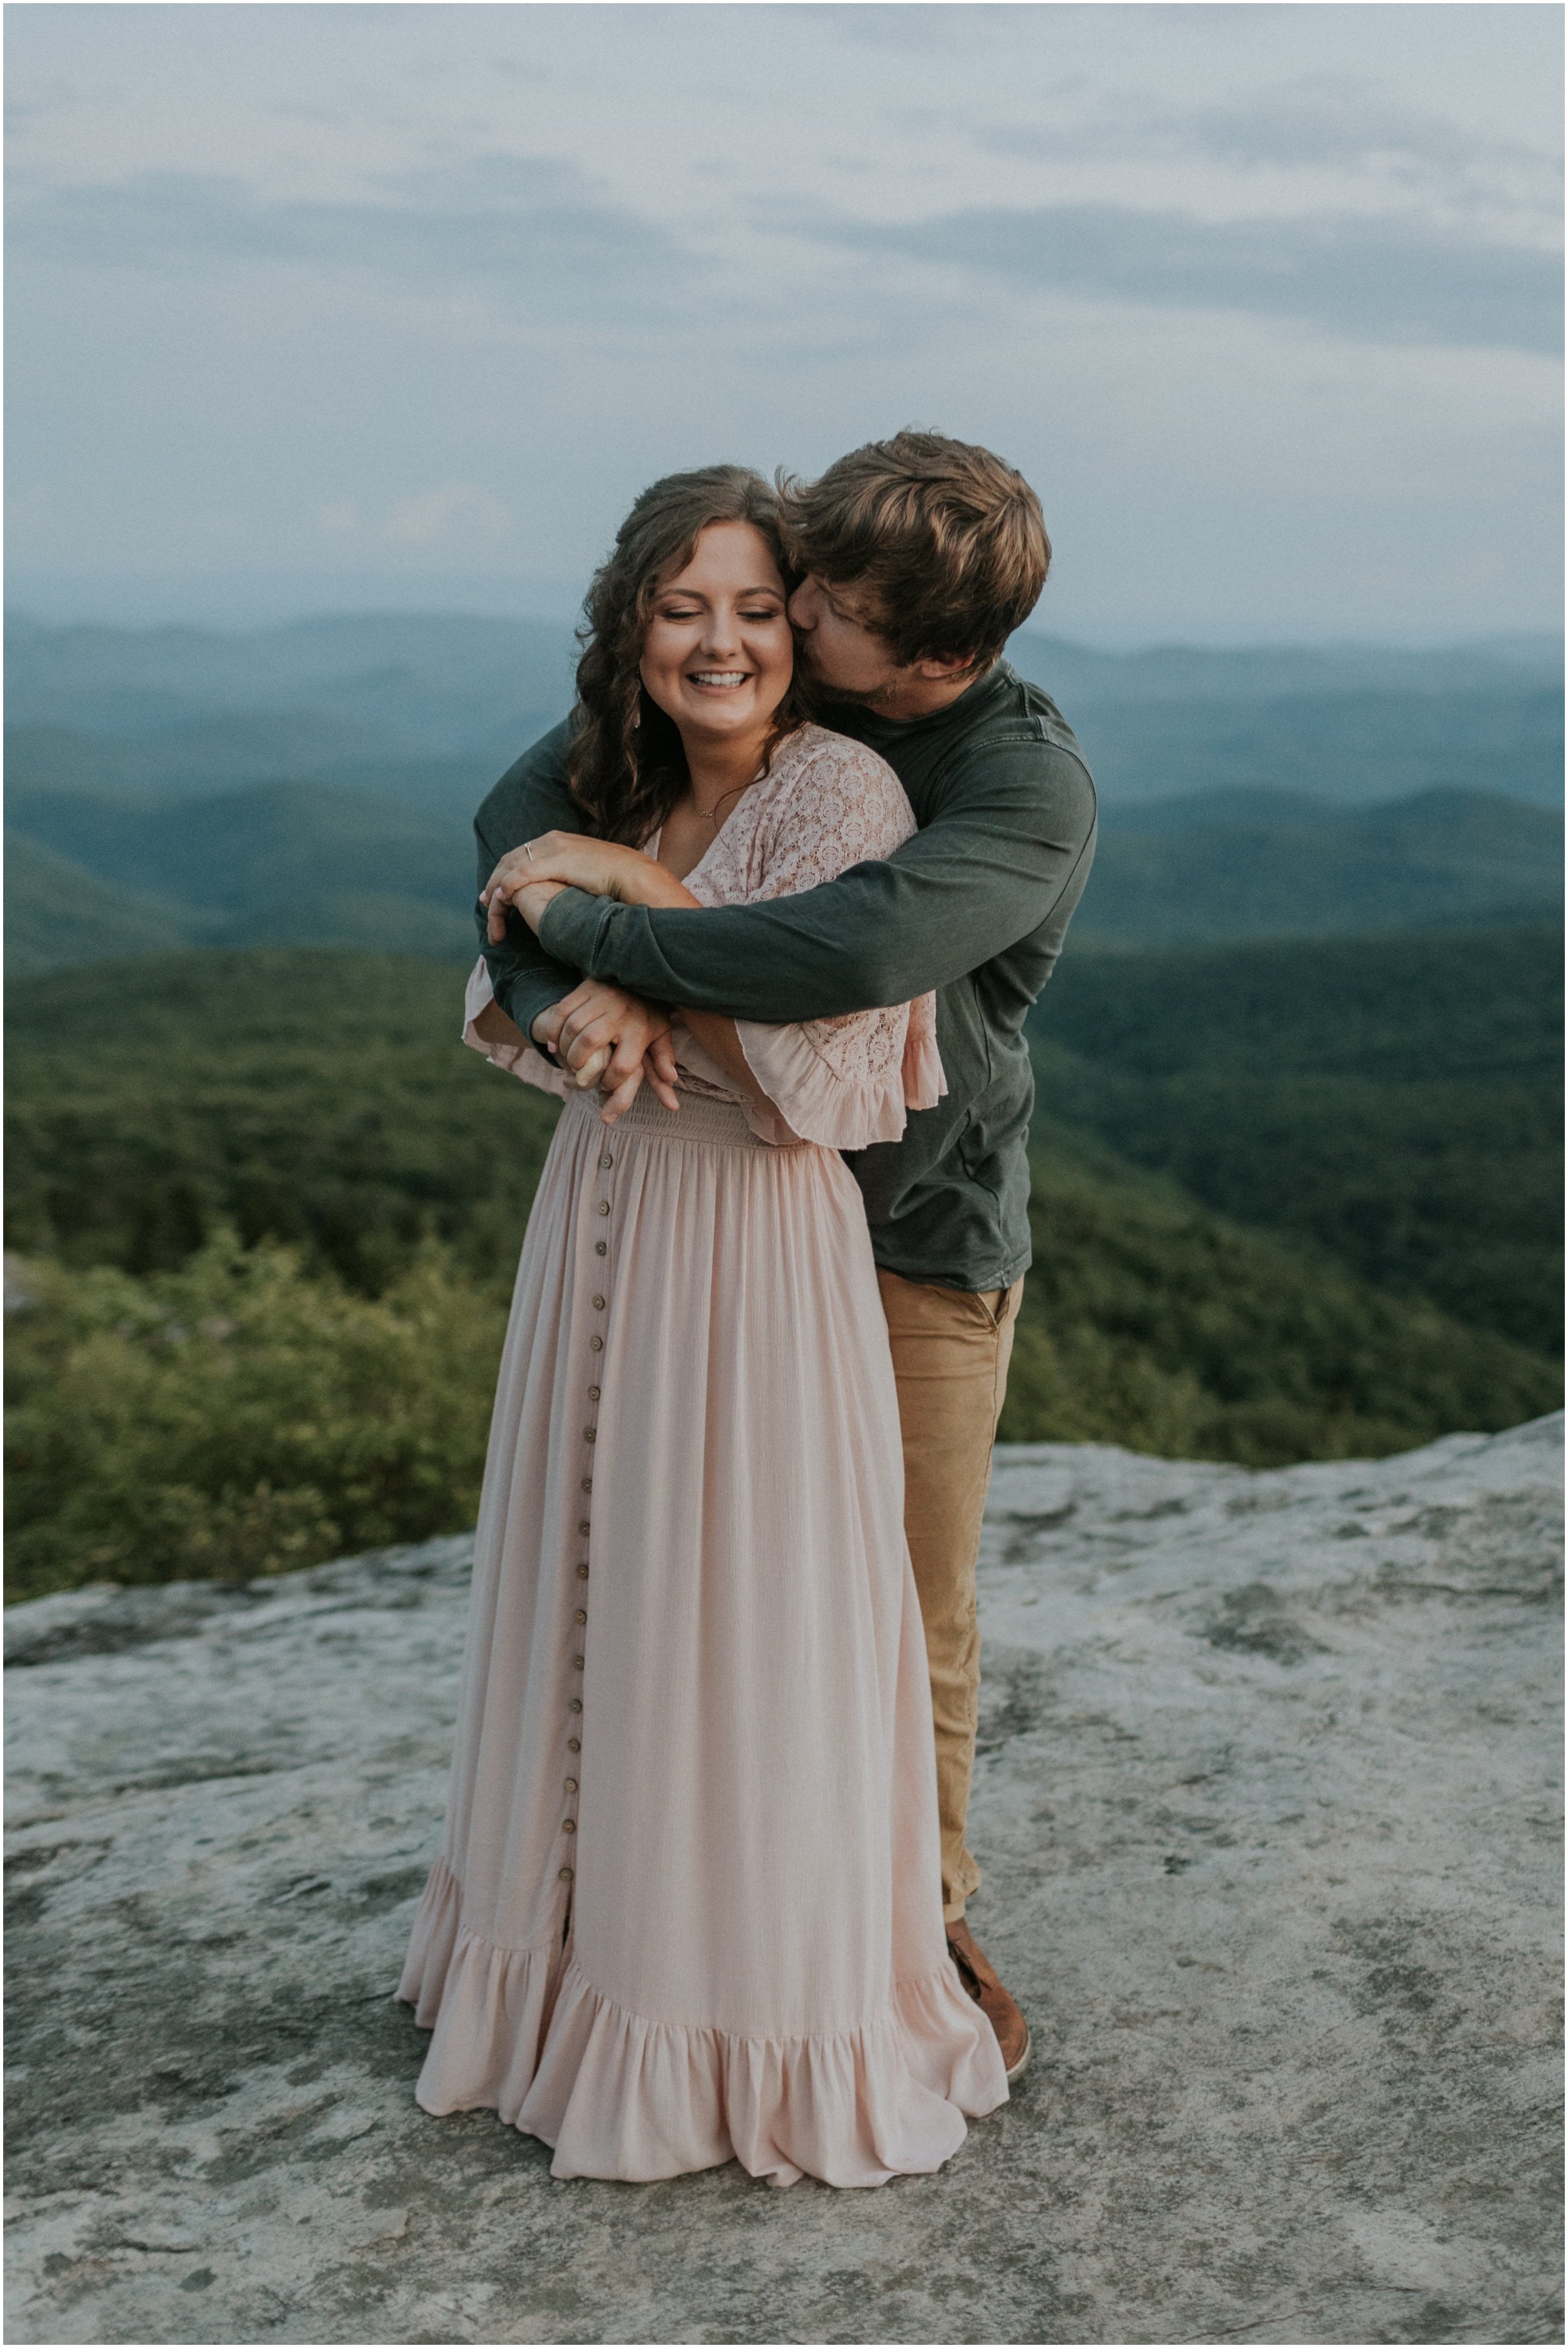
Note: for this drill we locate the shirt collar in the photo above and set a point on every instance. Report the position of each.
(871, 725)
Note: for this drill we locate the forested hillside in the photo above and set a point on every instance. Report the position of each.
(1268, 864)
(1350, 746)
(273, 863)
(189, 1399)
(334, 864)
(1395, 1101)
(55, 906)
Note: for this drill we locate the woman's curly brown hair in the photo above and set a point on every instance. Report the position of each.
(627, 765)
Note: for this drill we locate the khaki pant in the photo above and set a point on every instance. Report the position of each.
(950, 1354)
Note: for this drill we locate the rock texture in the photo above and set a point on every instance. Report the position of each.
(1266, 1813)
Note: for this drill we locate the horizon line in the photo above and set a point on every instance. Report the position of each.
(1120, 643)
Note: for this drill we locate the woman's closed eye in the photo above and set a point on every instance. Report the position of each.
(766, 606)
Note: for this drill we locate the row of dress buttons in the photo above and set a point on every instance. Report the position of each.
(590, 1436)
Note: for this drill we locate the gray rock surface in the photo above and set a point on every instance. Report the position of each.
(1266, 1810)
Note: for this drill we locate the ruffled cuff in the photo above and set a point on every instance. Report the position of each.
(487, 1029)
(817, 1103)
(925, 1077)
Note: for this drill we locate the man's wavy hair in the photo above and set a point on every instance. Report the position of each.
(946, 540)
(626, 765)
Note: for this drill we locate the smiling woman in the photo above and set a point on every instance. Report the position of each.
(653, 666)
(686, 690)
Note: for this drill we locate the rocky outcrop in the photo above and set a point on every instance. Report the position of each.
(1265, 1809)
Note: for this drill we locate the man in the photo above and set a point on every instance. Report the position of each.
(921, 556)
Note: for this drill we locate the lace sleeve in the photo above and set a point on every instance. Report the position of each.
(488, 1029)
(845, 1082)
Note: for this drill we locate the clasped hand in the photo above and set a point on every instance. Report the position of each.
(611, 1039)
(527, 878)
(605, 1036)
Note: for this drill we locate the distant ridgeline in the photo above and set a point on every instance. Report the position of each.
(314, 784)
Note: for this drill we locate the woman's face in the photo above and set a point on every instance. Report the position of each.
(718, 654)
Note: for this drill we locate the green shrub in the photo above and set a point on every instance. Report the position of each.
(242, 1416)
(238, 1417)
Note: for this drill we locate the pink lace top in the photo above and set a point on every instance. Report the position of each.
(828, 803)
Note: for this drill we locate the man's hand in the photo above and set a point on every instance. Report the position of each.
(613, 1040)
(570, 860)
(528, 877)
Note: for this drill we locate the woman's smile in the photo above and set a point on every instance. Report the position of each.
(718, 654)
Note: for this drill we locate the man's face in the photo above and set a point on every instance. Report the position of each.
(840, 647)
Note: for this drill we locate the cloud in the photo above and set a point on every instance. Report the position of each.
(1374, 279)
(458, 511)
(964, 24)
(1324, 123)
(455, 514)
(48, 95)
(1333, 121)
(526, 224)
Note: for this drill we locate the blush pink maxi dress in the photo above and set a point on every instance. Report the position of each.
(688, 1907)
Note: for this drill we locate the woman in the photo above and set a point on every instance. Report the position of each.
(689, 1906)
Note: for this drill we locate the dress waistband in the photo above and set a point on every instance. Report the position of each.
(720, 1124)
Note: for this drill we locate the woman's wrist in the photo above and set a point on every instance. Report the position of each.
(656, 887)
(531, 901)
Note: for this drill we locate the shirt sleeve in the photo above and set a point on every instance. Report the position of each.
(531, 796)
(1009, 850)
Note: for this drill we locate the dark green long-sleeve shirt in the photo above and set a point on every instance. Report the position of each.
(976, 906)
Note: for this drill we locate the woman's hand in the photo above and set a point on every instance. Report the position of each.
(611, 1039)
(570, 860)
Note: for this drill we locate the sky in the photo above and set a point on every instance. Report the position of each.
(370, 306)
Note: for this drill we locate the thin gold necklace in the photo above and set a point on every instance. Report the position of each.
(711, 815)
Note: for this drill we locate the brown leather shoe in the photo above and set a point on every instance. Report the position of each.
(984, 1984)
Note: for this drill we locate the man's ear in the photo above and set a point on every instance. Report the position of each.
(943, 671)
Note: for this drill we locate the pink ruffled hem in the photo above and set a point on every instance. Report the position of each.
(523, 2033)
